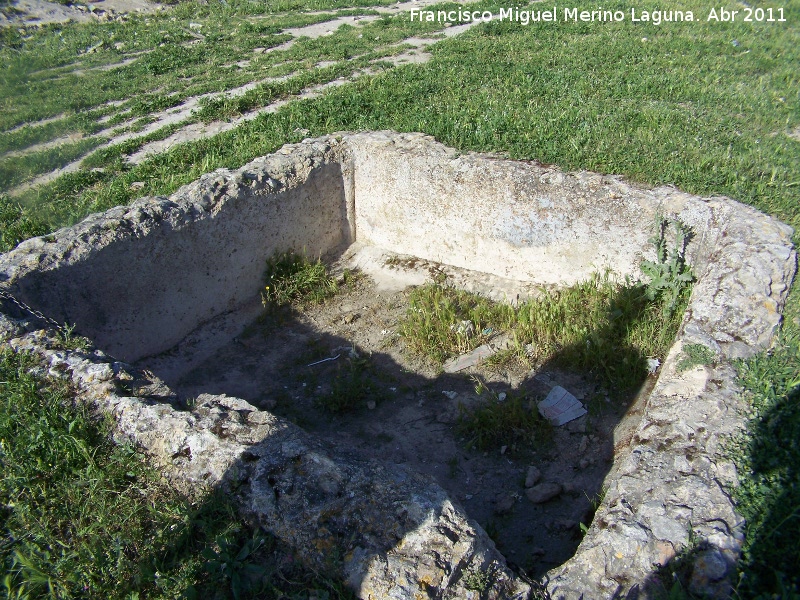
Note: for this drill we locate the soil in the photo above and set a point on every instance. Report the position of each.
(407, 410)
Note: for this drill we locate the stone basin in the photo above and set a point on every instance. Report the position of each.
(138, 280)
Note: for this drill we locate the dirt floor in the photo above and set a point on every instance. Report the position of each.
(407, 410)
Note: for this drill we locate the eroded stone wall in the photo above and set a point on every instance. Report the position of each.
(137, 279)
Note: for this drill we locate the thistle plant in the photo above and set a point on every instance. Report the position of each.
(670, 276)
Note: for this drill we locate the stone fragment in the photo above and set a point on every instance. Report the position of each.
(543, 492)
(468, 360)
(504, 503)
(532, 477)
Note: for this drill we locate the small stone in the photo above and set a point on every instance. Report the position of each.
(349, 318)
(533, 476)
(137, 185)
(371, 404)
(565, 524)
(503, 449)
(584, 463)
(543, 492)
(504, 503)
(709, 568)
(583, 445)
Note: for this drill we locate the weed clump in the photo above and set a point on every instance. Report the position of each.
(352, 386)
(670, 276)
(695, 355)
(292, 279)
(442, 320)
(502, 423)
(604, 326)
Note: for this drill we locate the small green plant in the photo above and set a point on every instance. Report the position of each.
(694, 355)
(352, 386)
(480, 579)
(501, 423)
(670, 276)
(67, 339)
(292, 279)
(232, 561)
(452, 467)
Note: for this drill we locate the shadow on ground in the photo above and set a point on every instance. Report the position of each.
(372, 411)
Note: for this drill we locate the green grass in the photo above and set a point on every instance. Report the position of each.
(186, 52)
(768, 460)
(293, 279)
(352, 386)
(433, 324)
(513, 422)
(687, 107)
(83, 517)
(600, 326)
(18, 169)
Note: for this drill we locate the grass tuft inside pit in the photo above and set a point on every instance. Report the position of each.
(601, 326)
(512, 422)
(292, 278)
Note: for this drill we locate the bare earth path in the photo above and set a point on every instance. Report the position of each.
(412, 49)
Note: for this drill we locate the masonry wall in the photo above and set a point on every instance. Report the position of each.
(516, 220)
(138, 279)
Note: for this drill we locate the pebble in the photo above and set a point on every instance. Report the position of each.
(504, 503)
(533, 476)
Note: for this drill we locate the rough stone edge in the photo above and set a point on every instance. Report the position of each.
(397, 533)
(669, 488)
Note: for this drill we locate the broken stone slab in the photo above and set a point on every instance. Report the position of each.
(468, 360)
(398, 533)
(544, 492)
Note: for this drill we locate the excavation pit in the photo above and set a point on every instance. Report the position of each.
(170, 285)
